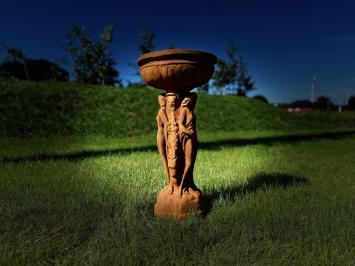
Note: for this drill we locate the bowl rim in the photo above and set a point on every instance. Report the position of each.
(175, 54)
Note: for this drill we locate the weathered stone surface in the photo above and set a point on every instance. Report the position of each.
(178, 206)
(177, 72)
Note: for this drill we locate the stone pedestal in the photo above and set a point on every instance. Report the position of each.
(177, 72)
(176, 205)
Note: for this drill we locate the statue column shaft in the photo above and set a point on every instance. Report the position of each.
(180, 197)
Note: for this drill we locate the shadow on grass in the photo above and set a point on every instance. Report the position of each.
(77, 156)
(212, 145)
(257, 182)
(274, 140)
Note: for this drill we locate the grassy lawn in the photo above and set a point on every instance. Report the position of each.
(274, 199)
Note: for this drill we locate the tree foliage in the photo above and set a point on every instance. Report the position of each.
(351, 103)
(261, 98)
(146, 41)
(145, 45)
(17, 65)
(232, 74)
(323, 103)
(14, 60)
(92, 62)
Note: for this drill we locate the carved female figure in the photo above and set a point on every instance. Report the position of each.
(188, 139)
(172, 140)
(162, 122)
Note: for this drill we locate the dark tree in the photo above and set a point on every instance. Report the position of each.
(146, 41)
(42, 69)
(17, 65)
(37, 69)
(13, 70)
(224, 74)
(261, 98)
(245, 85)
(351, 103)
(145, 45)
(301, 104)
(92, 62)
(136, 84)
(17, 57)
(323, 103)
(232, 74)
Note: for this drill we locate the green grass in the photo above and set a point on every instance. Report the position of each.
(55, 108)
(275, 200)
(80, 184)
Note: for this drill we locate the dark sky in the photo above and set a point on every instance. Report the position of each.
(285, 43)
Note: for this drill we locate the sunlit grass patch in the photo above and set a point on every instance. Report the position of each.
(271, 202)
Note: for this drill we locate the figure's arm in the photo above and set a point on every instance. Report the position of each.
(182, 128)
(161, 143)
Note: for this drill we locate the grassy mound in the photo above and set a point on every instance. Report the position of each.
(55, 108)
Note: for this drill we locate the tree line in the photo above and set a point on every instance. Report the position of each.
(92, 62)
(325, 103)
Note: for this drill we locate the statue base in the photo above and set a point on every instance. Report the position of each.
(172, 203)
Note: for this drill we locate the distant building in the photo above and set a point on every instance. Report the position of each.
(298, 106)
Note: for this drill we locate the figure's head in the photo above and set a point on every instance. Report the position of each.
(171, 100)
(162, 101)
(189, 100)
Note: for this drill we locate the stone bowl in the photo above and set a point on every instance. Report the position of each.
(176, 70)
